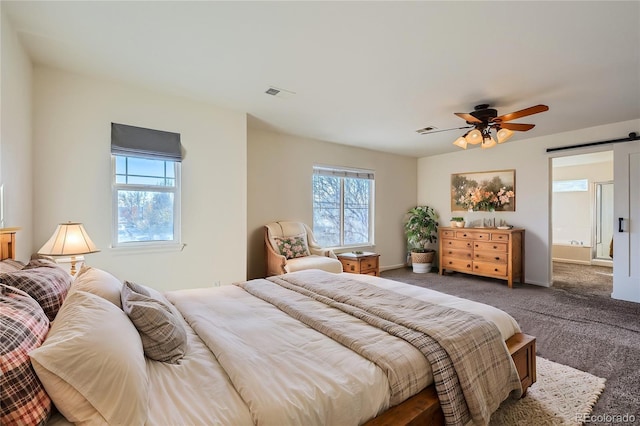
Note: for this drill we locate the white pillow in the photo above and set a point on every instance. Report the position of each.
(100, 283)
(93, 348)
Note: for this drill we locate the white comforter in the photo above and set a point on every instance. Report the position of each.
(267, 368)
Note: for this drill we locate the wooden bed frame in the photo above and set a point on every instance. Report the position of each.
(422, 408)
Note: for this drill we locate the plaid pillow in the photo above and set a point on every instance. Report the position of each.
(43, 280)
(10, 265)
(164, 337)
(292, 247)
(23, 327)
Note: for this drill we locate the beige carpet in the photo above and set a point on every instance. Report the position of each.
(561, 396)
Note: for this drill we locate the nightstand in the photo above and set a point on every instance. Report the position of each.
(362, 263)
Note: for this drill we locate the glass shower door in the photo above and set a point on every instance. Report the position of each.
(604, 220)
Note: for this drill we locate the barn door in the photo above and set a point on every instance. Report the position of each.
(626, 235)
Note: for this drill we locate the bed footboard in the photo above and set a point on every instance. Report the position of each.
(424, 408)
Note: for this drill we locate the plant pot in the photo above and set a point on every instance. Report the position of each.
(453, 224)
(460, 224)
(421, 268)
(421, 262)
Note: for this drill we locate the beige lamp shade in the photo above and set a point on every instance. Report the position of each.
(488, 142)
(474, 137)
(503, 135)
(69, 239)
(461, 142)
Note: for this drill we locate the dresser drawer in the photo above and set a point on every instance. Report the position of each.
(500, 237)
(349, 265)
(458, 253)
(458, 264)
(490, 246)
(369, 264)
(473, 235)
(486, 268)
(457, 244)
(447, 233)
(490, 256)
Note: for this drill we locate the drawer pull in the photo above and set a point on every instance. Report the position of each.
(353, 268)
(450, 263)
(497, 258)
(496, 269)
(495, 247)
(464, 235)
(469, 266)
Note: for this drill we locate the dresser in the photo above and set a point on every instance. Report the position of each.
(360, 263)
(488, 252)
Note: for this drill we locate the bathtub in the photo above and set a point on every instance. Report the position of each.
(571, 253)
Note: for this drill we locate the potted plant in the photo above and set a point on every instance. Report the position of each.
(457, 222)
(421, 228)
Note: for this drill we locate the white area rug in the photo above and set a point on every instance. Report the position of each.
(561, 396)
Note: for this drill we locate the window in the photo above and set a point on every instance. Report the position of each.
(342, 206)
(146, 186)
(574, 185)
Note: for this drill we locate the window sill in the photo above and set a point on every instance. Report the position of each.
(144, 248)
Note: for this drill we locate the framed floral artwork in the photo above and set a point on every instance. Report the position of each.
(484, 191)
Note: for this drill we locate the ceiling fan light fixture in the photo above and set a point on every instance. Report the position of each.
(488, 142)
(461, 142)
(474, 137)
(503, 135)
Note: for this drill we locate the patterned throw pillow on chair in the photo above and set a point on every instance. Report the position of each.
(292, 247)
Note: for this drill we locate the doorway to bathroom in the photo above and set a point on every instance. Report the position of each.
(582, 223)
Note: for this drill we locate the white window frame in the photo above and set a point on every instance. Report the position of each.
(176, 190)
(342, 173)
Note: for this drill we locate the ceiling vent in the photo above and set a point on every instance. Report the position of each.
(426, 129)
(279, 93)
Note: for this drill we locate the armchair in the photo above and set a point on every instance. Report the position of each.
(290, 246)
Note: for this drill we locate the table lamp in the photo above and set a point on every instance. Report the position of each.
(69, 239)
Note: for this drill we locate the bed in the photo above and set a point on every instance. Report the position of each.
(303, 348)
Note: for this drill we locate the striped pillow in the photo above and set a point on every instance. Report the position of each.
(10, 265)
(44, 281)
(23, 327)
(163, 335)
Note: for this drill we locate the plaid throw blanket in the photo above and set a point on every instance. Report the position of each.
(473, 371)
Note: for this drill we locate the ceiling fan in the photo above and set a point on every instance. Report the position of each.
(484, 119)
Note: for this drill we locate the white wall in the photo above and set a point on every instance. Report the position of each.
(15, 138)
(72, 176)
(279, 182)
(533, 170)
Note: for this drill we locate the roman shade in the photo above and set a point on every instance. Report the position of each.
(341, 172)
(141, 142)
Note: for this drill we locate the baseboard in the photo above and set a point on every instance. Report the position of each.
(390, 267)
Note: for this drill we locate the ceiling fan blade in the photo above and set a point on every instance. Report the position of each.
(428, 132)
(517, 126)
(468, 117)
(522, 113)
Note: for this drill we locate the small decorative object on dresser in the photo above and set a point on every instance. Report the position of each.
(490, 252)
(457, 222)
(360, 263)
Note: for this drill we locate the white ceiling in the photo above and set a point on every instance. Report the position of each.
(367, 74)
